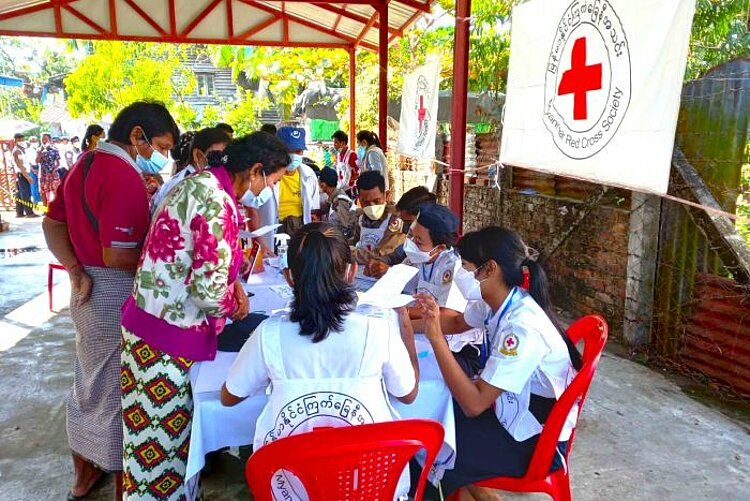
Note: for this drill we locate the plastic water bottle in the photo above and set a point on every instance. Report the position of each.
(282, 239)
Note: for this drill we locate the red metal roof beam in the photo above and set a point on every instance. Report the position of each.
(147, 18)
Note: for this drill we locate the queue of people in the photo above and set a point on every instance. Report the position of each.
(154, 282)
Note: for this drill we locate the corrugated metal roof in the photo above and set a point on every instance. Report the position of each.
(236, 22)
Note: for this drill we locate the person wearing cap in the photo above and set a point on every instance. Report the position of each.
(297, 195)
(338, 209)
(23, 178)
(49, 162)
(408, 210)
(378, 231)
(430, 248)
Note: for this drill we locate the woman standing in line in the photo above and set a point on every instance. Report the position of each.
(94, 134)
(185, 287)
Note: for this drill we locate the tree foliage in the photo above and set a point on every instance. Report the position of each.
(116, 74)
(721, 32)
(34, 63)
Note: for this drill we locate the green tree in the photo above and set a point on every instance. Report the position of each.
(288, 71)
(34, 63)
(721, 32)
(116, 74)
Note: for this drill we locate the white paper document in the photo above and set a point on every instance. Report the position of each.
(263, 230)
(386, 293)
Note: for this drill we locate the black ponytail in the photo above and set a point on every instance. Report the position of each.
(510, 253)
(319, 257)
(369, 137)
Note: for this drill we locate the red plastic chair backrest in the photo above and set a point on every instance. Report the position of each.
(593, 330)
(354, 463)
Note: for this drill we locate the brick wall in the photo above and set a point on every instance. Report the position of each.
(588, 271)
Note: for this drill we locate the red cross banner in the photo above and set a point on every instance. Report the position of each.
(419, 109)
(594, 89)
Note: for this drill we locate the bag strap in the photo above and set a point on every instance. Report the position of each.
(87, 161)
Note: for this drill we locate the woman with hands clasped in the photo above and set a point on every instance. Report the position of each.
(528, 360)
(186, 285)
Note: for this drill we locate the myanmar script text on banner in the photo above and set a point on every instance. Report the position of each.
(419, 109)
(594, 88)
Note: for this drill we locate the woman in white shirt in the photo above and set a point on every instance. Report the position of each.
(327, 364)
(430, 248)
(529, 360)
(370, 155)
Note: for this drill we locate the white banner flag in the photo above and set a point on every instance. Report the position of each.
(594, 88)
(419, 109)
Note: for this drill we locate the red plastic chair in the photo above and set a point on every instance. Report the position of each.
(52, 268)
(594, 330)
(355, 463)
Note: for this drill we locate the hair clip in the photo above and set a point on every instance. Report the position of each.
(526, 282)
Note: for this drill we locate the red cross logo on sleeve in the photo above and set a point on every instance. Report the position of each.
(510, 345)
(580, 79)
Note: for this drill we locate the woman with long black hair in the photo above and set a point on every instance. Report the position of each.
(94, 134)
(528, 359)
(328, 365)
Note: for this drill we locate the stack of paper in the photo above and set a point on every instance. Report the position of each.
(386, 293)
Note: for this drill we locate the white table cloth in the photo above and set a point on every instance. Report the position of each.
(215, 426)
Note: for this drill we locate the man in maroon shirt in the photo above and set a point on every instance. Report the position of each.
(95, 227)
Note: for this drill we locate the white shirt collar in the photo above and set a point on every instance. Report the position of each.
(115, 150)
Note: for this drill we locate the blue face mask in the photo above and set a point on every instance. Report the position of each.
(152, 165)
(361, 152)
(296, 162)
(250, 199)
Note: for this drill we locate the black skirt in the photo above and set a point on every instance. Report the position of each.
(484, 449)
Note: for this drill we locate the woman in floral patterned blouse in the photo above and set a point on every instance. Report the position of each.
(185, 287)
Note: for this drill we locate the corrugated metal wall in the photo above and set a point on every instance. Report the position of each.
(713, 132)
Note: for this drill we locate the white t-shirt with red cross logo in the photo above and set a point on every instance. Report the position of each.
(527, 356)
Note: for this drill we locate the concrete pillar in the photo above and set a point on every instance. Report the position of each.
(643, 246)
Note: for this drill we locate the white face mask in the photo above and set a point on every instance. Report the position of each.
(250, 199)
(414, 254)
(374, 212)
(467, 283)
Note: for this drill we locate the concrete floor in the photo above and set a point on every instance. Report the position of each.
(640, 436)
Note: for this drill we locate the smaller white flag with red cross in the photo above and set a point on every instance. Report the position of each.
(419, 109)
(594, 88)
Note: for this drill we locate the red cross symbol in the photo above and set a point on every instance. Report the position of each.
(421, 112)
(510, 342)
(580, 79)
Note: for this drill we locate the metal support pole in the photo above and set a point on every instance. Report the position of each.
(383, 80)
(458, 110)
(353, 98)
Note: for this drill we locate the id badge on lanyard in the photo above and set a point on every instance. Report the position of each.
(489, 337)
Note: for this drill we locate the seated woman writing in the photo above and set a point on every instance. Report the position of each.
(327, 364)
(528, 359)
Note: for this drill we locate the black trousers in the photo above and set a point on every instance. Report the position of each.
(24, 195)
